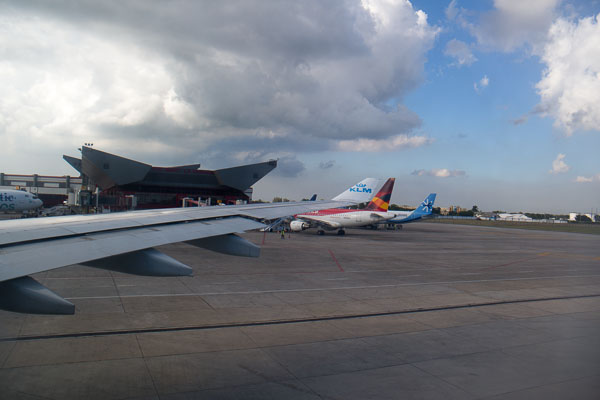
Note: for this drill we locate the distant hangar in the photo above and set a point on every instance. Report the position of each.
(121, 181)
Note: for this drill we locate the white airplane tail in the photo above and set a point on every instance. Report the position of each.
(359, 193)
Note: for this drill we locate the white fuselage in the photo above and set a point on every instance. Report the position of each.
(18, 200)
(400, 214)
(340, 218)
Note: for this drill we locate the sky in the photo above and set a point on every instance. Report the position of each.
(487, 103)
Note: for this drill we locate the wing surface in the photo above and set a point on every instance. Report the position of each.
(25, 230)
(123, 242)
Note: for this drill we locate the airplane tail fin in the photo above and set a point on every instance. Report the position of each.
(359, 193)
(313, 198)
(381, 201)
(426, 206)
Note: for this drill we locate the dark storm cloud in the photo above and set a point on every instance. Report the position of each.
(261, 77)
(326, 164)
(289, 166)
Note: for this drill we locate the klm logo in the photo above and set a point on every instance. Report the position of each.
(360, 188)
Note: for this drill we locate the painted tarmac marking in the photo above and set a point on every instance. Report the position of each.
(336, 261)
(292, 321)
(520, 260)
(572, 256)
(78, 278)
(337, 288)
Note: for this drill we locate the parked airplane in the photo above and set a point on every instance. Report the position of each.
(361, 192)
(18, 200)
(340, 218)
(124, 242)
(424, 210)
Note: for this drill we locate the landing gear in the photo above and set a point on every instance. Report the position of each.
(341, 232)
(320, 232)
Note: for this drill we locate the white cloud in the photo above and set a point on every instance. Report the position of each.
(460, 51)
(180, 111)
(451, 10)
(439, 173)
(513, 23)
(584, 179)
(559, 166)
(391, 144)
(482, 84)
(115, 73)
(570, 85)
(62, 85)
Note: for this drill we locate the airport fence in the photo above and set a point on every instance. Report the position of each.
(534, 221)
(437, 216)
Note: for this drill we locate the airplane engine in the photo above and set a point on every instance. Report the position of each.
(298, 226)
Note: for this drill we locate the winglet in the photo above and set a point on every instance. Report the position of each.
(359, 193)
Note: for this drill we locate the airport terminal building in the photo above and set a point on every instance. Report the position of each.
(121, 183)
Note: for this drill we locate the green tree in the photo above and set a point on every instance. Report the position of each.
(475, 209)
(277, 199)
(358, 206)
(396, 207)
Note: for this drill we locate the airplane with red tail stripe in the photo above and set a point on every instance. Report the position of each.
(340, 218)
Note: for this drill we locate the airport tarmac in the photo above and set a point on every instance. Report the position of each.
(433, 311)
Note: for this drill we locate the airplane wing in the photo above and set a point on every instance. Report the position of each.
(378, 216)
(319, 221)
(123, 242)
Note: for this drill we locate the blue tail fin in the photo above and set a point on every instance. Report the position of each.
(314, 197)
(426, 207)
